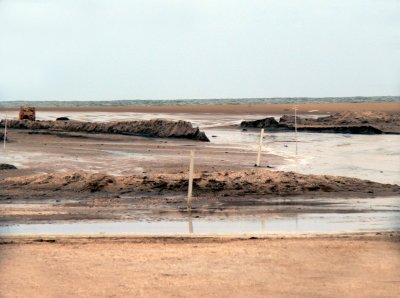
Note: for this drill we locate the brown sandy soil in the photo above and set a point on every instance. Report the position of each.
(356, 266)
(206, 185)
(322, 108)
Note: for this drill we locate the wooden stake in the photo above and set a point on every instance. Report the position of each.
(295, 125)
(260, 147)
(190, 188)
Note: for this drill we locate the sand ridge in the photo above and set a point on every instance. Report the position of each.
(260, 181)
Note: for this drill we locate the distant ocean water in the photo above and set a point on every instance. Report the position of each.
(187, 102)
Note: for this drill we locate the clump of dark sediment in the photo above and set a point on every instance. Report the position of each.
(62, 119)
(207, 185)
(6, 166)
(343, 122)
(148, 128)
(2, 137)
(268, 122)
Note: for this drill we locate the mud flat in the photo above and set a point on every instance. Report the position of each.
(88, 176)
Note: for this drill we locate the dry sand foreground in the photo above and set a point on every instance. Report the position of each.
(360, 266)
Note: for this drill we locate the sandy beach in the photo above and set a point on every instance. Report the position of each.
(328, 266)
(115, 185)
(199, 149)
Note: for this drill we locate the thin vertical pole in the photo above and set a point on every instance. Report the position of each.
(295, 125)
(5, 133)
(190, 188)
(260, 147)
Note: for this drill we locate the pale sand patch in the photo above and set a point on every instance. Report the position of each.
(296, 267)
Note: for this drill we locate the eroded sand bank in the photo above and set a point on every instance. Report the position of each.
(366, 122)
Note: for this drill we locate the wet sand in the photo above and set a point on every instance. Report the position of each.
(98, 176)
(334, 266)
(82, 176)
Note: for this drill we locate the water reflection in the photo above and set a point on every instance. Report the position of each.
(270, 224)
(190, 222)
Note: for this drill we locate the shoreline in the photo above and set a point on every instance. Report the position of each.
(392, 236)
(314, 108)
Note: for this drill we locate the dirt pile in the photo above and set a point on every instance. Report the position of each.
(368, 117)
(269, 122)
(6, 166)
(231, 184)
(149, 128)
(367, 122)
(347, 118)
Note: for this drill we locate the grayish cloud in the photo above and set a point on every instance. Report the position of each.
(99, 49)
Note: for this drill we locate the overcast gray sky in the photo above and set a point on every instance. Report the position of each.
(132, 49)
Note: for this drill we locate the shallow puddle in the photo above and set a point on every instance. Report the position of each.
(270, 224)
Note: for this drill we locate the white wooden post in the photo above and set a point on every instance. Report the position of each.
(295, 125)
(260, 147)
(190, 188)
(5, 132)
(295, 121)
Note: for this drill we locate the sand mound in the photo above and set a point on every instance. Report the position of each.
(6, 166)
(150, 128)
(267, 122)
(208, 184)
(351, 118)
